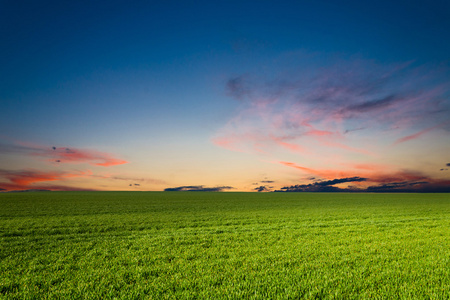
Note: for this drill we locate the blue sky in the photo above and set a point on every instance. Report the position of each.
(219, 93)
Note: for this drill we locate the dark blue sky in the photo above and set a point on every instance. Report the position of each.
(48, 42)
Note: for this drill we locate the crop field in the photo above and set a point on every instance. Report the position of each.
(200, 245)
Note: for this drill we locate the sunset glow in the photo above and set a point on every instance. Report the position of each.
(249, 97)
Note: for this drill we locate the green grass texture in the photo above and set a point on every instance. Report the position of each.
(204, 245)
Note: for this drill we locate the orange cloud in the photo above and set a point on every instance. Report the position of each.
(16, 187)
(327, 174)
(316, 132)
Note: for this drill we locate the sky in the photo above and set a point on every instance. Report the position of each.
(289, 96)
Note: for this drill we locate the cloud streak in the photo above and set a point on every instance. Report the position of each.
(134, 179)
(74, 155)
(321, 186)
(23, 179)
(63, 154)
(30, 176)
(418, 134)
(197, 188)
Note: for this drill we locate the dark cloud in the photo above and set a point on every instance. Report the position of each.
(197, 188)
(448, 165)
(31, 190)
(238, 88)
(267, 181)
(263, 188)
(310, 188)
(137, 184)
(411, 187)
(372, 105)
(321, 186)
(395, 185)
(355, 129)
(8, 148)
(341, 180)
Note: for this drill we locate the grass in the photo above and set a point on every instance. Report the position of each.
(188, 245)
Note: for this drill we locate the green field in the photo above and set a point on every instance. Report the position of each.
(188, 245)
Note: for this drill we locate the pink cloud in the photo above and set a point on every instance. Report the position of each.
(312, 111)
(74, 155)
(27, 177)
(418, 134)
(229, 142)
(17, 187)
(63, 154)
(293, 147)
(326, 174)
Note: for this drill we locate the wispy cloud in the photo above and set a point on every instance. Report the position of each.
(371, 105)
(142, 180)
(418, 134)
(47, 187)
(37, 179)
(301, 109)
(30, 176)
(75, 155)
(25, 178)
(336, 110)
(63, 154)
